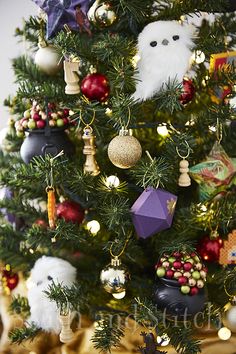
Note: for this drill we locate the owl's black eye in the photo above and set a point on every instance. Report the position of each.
(153, 44)
(50, 278)
(175, 38)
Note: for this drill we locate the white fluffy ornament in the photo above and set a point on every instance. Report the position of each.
(44, 313)
(164, 48)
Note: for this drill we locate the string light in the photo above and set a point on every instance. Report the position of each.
(224, 333)
(119, 296)
(198, 57)
(162, 130)
(212, 129)
(93, 226)
(112, 182)
(108, 112)
(163, 340)
(135, 60)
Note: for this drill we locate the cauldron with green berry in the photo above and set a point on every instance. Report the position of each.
(180, 289)
(39, 142)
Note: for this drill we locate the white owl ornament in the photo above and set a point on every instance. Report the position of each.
(44, 313)
(164, 48)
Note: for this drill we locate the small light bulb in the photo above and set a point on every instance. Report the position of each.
(203, 208)
(119, 296)
(212, 129)
(163, 340)
(135, 60)
(224, 333)
(29, 283)
(112, 181)
(108, 112)
(98, 325)
(162, 130)
(199, 57)
(93, 226)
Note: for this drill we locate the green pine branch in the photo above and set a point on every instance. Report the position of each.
(109, 331)
(181, 337)
(20, 306)
(66, 298)
(18, 335)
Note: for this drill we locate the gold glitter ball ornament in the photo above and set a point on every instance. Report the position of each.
(124, 151)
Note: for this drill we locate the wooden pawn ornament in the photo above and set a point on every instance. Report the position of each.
(184, 179)
(66, 334)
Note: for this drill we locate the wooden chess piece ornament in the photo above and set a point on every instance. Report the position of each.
(91, 165)
(184, 179)
(66, 334)
(71, 76)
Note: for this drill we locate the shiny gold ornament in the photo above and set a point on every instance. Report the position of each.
(89, 150)
(101, 14)
(114, 277)
(124, 150)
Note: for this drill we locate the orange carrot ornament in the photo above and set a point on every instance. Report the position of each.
(51, 206)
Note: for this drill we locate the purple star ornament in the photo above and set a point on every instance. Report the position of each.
(153, 211)
(65, 12)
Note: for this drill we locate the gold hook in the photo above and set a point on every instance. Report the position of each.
(228, 277)
(184, 157)
(123, 249)
(87, 124)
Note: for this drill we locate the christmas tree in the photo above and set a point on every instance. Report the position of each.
(118, 173)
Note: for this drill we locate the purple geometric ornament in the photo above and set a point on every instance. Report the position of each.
(153, 211)
(6, 193)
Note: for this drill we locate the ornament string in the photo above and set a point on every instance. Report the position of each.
(50, 190)
(87, 125)
(123, 249)
(149, 328)
(219, 131)
(230, 278)
(125, 127)
(188, 153)
(147, 171)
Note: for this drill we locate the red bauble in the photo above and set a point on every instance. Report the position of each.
(194, 291)
(169, 273)
(42, 223)
(182, 280)
(187, 266)
(10, 279)
(70, 211)
(177, 264)
(188, 91)
(95, 87)
(209, 249)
